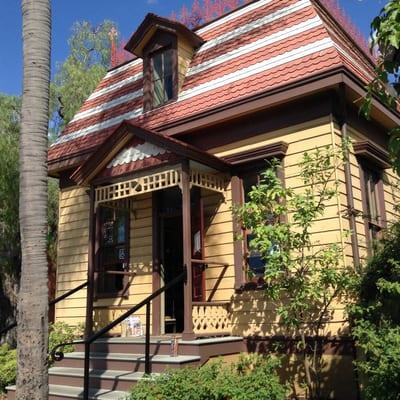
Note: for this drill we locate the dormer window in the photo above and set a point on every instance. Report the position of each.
(162, 76)
(167, 48)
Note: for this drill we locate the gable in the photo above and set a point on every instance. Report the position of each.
(136, 152)
(133, 149)
(138, 155)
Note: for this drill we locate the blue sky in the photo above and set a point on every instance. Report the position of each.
(126, 13)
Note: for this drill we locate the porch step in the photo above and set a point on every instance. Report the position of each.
(103, 379)
(128, 362)
(118, 363)
(203, 347)
(61, 392)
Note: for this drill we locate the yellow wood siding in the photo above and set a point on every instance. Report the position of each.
(251, 313)
(391, 193)
(185, 55)
(218, 245)
(73, 239)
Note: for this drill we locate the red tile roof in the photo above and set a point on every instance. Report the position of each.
(267, 44)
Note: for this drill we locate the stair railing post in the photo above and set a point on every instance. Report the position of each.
(147, 365)
(86, 376)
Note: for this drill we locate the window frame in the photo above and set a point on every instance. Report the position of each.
(378, 223)
(99, 267)
(254, 168)
(161, 41)
(163, 51)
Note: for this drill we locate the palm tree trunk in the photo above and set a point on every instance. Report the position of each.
(32, 335)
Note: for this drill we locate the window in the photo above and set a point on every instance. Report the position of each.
(255, 263)
(113, 251)
(372, 203)
(162, 76)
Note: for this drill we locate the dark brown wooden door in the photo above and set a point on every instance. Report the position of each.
(198, 275)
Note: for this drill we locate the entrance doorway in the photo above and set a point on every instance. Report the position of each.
(169, 204)
(171, 253)
(173, 266)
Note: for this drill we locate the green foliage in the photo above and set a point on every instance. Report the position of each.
(381, 366)
(70, 87)
(79, 74)
(10, 107)
(252, 378)
(385, 33)
(302, 277)
(8, 366)
(60, 332)
(9, 189)
(90, 45)
(376, 320)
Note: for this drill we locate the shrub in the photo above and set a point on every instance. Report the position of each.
(8, 366)
(377, 320)
(59, 332)
(252, 378)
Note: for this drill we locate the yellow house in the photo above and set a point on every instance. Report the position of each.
(152, 162)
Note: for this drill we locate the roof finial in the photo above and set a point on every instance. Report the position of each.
(113, 35)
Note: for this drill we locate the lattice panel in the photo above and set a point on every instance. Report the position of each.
(215, 182)
(211, 319)
(158, 181)
(144, 184)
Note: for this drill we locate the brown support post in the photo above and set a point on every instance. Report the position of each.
(156, 277)
(188, 333)
(237, 200)
(91, 264)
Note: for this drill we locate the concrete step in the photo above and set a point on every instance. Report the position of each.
(118, 363)
(102, 379)
(127, 362)
(61, 392)
(162, 346)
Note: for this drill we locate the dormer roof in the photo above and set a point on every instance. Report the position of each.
(153, 23)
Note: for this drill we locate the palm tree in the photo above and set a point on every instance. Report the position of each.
(32, 334)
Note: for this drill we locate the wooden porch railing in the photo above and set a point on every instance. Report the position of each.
(211, 318)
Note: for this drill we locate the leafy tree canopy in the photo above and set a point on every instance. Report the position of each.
(385, 33)
(90, 45)
(10, 109)
(79, 74)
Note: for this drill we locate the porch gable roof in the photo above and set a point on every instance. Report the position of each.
(116, 143)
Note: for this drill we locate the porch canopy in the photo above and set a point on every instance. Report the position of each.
(134, 161)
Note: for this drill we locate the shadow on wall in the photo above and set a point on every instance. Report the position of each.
(255, 318)
(106, 313)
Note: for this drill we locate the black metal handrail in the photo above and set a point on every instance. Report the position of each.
(59, 355)
(51, 303)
